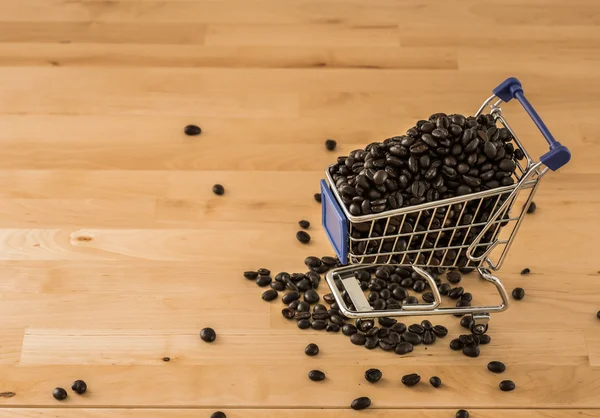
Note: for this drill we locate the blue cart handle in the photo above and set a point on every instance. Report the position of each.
(558, 155)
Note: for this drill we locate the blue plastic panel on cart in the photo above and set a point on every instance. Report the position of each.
(334, 223)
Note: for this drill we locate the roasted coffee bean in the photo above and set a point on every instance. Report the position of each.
(428, 337)
(360, 403)
(304, 224)
(428, 297)
(399, 327)
(349, 329)
(312, 261)
(311, 296)
(372, 332)
(319, 324)
(507, 385)
(80, 387)
(400, 293)
(59, 394)
(456, 344)
(496, 367)
(317, 197)
(288, 313)
(467, 296)
(416, 328)
(371, 343)
(484, 339)
(466, 339)
(379, 304)
(435, 381)
(218, 189)
(387, 344)
(288, 297)
(403, 348)
(411, 379)
(280, 287)
(303, 237)
(471, 350)
(303, 324)
(329, 298)
(294, 304)
(525, 271)
(419, 286)
(337, 319)
(411, 300)
(453, 277)
(208, 334)
(518, 293)
(218, 414)
(264, 272)
(373, 375)
(456, 292)
(263, 281)
(333, 328)
(320, 315)
(466, 322)
(330, 144)
(302, 315)
(311, 350)
(411, 337)
(329, 261)
(445, 288)
(386, 321)
(461, 413)
(440, 330)
(316, 375)
(384, 333)
(251, 275)
(192, 130)
(365, 325)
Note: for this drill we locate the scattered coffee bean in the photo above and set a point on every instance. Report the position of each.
(461, 413)
(411, 337)
(435, 381)
(208, 334)
(428, 338)
(303, 237)
(303, 324)
(507, 385)
(387, 344)
(328, 298)
(373, 375)
(218, 414)
(264, 272)
(453, 277)
(316, 375)
(330, 144)
(319, 324)
(302, 315)
(525, 271)
(484, 339)
(349, 329)
(337, 319)
(218, 189)
(445, 289)
(304, 224)
(280, 287)
(400, 328)
(251, 275)
(416, 328)
(371, 343)
(311, 350)
(365, 325)
(428, 297)
(333, 328)
(80, 387)
(411, 379)
(471, 350)
(360, 403)
(358, 338)
(404, 348)
(456, 344)
(496, 367)
(532, 207)
(288, 313)
(467, 296)
(59, 394)
(192, 130)
(263, 281)
(311, 296)
(466, 322)
(518, 293)
(386, 321)
(270, 295)
(165, 359)
(440, 330)
(317, 197)
(289, 297)
(456, 293)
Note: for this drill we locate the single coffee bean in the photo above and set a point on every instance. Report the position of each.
(365, 325)
(80, 387)
(484, 339)
(386, 321)
(59, 394)
(294, 304)
(360, 403)
(400, 293)
(428, 337)
(373, 375)
(208, 334)
(461, 413)
(304, 324)
(507, 385)
(316, 375)
(337, 319)
(456, 293)
(411, 379)
(411, 337)
(349, 329)
(466, 321)
(456, 344)
(471, 350)
(428, 297)
(358, 338)
(319, 324)
(435, 381)
(330, 144)
(518, 293)
(311, 296)
(453, 277)
(525, 271)
(372, 332)
(445, 288)
(467, 296)
(264, 272)
(403, 348)
(317, 197)
(333, 328)
(419, 286)
(218, 189)
(399, 328)
(329, 298)
(496, 367)
(371, 343)
(440, 330)
(387, 344)
(251, 275)
(303, 237)
(322, 315)
(304, 285)
(329, 261)
(311, 350)
(263, 281)
(192, 130)
(411, 300)
(288, 313)
(280, 287)
(289, 297)
(416, 328)
(218, 414)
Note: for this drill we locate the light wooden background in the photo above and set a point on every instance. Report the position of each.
(115, 253)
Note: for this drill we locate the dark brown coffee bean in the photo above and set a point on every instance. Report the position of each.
(440, 330)
(329, 298)
(532, 207)
(484, 339)
(349, 329)
(192, 130)
(218, 189)
(371, 343)
(453, 277)
(411, 379)
(333, 328)
(490, 150)
(59, 394)
(264, 272)
(507, 385)
(386, 321)
(303, 237)
(372, 332)
(416, 328)
(419, 286)
(467, 296)
(330, 144)
(358, 338)
(208, 334)
(466, 322)
(428, 297)
(428, 337)
(435, 381)
(320, 315)
(496, 367)
(288, 297)
(337, 319)
(399, 328)
(280, 287)
(403, 348)
(445, 289)
(317, 197)
(80, 387)
(311, 296)
(365, 325)
(316, 375)
(251, 275)
(263, 281)
(411, 337)
(507, 165)
(456, 344)
(518, 293)
(373, 375)
(471, 350)
(218, 414)
(311, 350)
(525, 271)
(360, 403)
(303, 324)
(302, 315)
(461, 413)
(387, 344)
(456, 293)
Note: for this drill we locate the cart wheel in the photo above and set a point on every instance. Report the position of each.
(479, 329)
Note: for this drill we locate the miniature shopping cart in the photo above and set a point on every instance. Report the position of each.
(479, 241)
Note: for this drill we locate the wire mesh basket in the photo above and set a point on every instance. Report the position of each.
(471, 231)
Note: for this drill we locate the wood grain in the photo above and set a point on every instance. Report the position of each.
(114, 252)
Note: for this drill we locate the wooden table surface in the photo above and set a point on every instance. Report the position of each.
(115, 252)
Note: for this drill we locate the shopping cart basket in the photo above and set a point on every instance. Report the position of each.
(410, 236)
